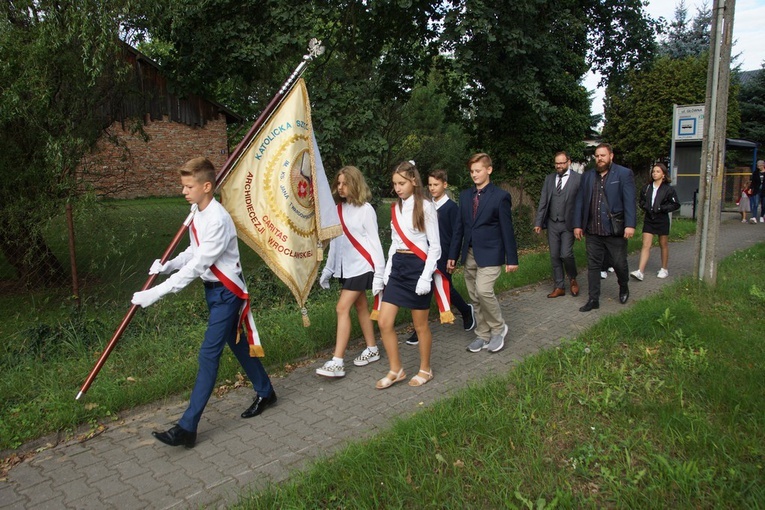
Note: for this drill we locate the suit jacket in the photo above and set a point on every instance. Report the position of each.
(619, 188)
(569, 198)
(490, 234)
(448, 214)
(666, 199)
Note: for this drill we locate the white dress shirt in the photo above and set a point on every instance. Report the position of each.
(344, 260)
(216, 235)
(441, 201)
(655, 189)
(427, 241)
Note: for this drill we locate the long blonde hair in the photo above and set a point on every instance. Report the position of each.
(357, 190)
(408, 171)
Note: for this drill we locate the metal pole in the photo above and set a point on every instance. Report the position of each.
(315, 49)
(72, 253)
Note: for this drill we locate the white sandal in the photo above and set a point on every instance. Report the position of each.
(388, 381)
(418, 380)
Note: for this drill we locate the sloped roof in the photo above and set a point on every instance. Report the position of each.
(155, 96)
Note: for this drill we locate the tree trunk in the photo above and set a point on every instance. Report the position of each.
(35, 264)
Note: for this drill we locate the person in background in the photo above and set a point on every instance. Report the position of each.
(606, 192)
(744, 205)
(658, 199)
(556, 214)
(759, 176)
(357, 259)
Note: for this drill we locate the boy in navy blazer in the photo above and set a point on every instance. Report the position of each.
(484, 240)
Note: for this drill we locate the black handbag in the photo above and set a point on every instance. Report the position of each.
(617, 219)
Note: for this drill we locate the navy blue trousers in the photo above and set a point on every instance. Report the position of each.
(221, 330)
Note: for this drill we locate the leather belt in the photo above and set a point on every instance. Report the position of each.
(405, 252)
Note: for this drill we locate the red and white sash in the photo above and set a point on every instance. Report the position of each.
(364, 253)
(440, 282)
(235, 283)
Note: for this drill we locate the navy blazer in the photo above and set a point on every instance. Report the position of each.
(619, 187)
(448, 214)
(490, 234)
(569, 197)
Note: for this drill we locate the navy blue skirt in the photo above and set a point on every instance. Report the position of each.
(402, 283)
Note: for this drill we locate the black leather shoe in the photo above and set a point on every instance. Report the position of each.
(177, 436)
(259, 405)
(624, 294)
(590, 305)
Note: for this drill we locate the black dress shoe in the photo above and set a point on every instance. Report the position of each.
(259, 405)
(177, 436)
(624, 294)
(590, 305)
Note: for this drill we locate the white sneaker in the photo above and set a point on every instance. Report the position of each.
(366, 357)
(753, 220)
(637, 274)
(603, 275)
(762, 219)
(663, 273)
(331, 369)
(610, 269)
(743, 221)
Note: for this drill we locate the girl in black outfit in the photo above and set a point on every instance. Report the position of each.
(657, 199)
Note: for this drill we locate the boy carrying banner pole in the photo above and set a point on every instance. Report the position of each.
(213, 256)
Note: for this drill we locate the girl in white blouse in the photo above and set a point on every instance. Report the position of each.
(412, 258)
(357, 259)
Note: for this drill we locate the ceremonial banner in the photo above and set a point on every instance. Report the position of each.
(279, 198)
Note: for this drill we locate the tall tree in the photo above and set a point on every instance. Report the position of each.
(517, 70)
(752, 102)
(376, 53)
(59, 75)
(687, 38)
(639, 109)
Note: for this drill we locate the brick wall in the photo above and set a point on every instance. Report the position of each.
(130, 162)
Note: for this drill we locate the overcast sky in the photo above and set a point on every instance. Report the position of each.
(748, 35)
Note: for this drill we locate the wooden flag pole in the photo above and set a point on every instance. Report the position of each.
(314, 49)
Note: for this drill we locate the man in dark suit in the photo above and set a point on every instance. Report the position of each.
(485, 241)
(605, 191)
(556, 214)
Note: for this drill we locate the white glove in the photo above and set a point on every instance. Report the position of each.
(423, 286)
(158, 268)
(146, 298)
(324, 280)
(377, 285)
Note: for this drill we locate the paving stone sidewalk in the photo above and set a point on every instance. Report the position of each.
(125, 467)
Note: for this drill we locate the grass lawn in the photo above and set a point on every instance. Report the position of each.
(661, 406)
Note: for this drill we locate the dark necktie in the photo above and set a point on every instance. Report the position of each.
(559, 186)
(476, 197)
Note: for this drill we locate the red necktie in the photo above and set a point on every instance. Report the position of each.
(475, 202)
